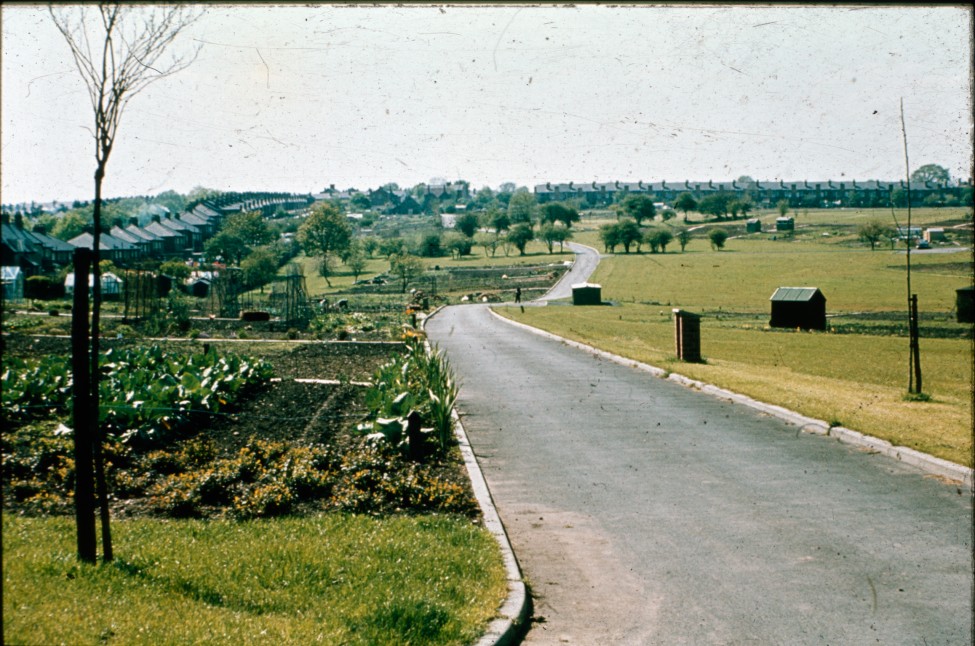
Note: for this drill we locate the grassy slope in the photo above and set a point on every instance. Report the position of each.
(856, 380)
(330, 579)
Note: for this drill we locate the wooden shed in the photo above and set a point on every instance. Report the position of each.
(785, 224)
(753, 226)
(965, 304)
(798, 307)
(587, 294)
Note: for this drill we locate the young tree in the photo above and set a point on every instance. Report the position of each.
(118, 50)
(658, 239)
(718, 238)
(490, 243)
(873, 232)
(783, 207)
(683, 237)
(685, 202)
(355, 259)
(520, 235)
(406, 267)
(500, 221)
(610, 235)
(325, 233)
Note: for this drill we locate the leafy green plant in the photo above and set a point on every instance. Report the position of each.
(414, 382)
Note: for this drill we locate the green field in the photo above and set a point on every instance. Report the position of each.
(857, 378)
(332, 579)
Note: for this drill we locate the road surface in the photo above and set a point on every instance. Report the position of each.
(643, 512)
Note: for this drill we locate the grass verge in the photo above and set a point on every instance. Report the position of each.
(331, 578)
(857, 381)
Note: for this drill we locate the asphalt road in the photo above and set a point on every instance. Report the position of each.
(643, 512)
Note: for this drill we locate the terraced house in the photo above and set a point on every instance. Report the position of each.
(805, 193)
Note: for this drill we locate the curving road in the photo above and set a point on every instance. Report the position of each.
(643, 512)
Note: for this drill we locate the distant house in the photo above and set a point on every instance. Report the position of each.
(798, 307)
(110, 247)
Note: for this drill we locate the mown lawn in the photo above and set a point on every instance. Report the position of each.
(857, 381)
(331, 578)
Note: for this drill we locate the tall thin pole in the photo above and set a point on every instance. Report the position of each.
(914, 359)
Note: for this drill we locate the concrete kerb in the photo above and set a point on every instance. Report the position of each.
(926, 463)
(515, 611)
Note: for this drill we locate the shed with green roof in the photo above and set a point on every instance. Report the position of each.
(798, 307)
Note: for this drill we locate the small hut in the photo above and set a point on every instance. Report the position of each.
(965, 304)
(798, 307)
(753, 226)
(785, 224)
(587, 294)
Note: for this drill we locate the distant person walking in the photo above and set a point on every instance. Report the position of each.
(517, 294)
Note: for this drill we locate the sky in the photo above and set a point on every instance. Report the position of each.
(297, 98)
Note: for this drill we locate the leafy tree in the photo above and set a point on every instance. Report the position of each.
(431, 246)
(716, 205)
(898, 197)
(500, 221)
(467, 224)
(783, 207)
(361, 202)
(490, 243)
(259, 267)
(552, 233)
(668, 214)
(520, 235)
(683, 237)
(171, 200)
(389, 247)
(485, 198)
(638, 207)
(717, 238)
(685, 202)
(249, 226)
(355, 259)
(325, 233)
(176, 269)
(931, 173)
(873, 232)
(629, 234)
(227, 246)
(610, 235)
(370, 245)
(406, 267)
(658, 239)
(69, 225)
(558, 212)
(521, 207)
(458, 244)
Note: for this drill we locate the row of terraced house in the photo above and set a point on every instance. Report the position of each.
(817, 194)
(164, 236)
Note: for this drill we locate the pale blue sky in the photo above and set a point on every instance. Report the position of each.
(288, 98)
